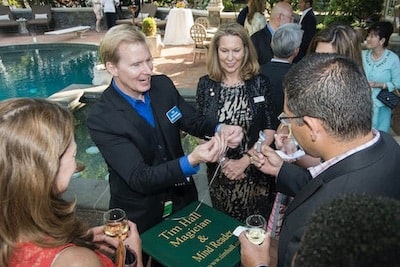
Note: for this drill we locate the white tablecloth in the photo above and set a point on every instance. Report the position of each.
(177, 30)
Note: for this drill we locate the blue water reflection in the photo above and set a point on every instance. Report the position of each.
(40, 70)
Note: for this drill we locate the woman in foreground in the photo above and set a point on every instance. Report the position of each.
(38, 227)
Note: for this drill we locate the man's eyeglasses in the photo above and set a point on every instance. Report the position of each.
(286, 119)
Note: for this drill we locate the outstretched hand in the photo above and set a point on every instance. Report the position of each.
(233, 134)
(267, 161)
(211, 151)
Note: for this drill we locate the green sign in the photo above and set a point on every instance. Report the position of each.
(194, 237)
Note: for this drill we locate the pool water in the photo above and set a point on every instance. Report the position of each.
(95, 166)
(40, 70)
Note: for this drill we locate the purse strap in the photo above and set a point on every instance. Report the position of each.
(396, 90)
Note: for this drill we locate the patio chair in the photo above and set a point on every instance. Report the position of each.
(7, 18)
(206, 23)
(41, 16)
(199, 35)
(203, 21)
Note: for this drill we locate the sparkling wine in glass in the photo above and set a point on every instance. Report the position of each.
(116, 224)
(256, 225)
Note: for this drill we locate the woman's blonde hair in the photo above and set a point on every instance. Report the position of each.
(34, 134)
(249, 67)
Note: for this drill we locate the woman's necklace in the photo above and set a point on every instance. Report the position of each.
(232, 83)
(377, 55)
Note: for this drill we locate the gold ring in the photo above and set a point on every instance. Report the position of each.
(251, 160)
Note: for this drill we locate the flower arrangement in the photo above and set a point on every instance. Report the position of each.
(180, 4)
(149, 26)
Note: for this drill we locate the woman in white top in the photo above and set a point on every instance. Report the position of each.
(255, 19)
(98, 11)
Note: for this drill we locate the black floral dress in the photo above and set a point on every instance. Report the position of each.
(247, 105)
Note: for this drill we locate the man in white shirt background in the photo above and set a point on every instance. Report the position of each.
(308, 23)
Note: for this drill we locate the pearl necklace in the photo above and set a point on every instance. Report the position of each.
(377, 58)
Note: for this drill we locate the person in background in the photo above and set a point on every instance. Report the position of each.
(281, 13)
(243, 14)
(37, 226)
(255, 19)
(320, 92)
(98, 11)
(234, 93)
(285, 46)
(308, 23)
(137, 124)
(110, 12)
(342, 233)
(337, 38)
(382, 68)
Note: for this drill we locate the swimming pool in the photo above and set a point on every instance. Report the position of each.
(40, 70)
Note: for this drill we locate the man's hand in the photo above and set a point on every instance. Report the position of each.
(268, 161)
(233, 134)
(254, 255)
(211, 151)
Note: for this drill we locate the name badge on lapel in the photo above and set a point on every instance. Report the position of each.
(259, 99)
(174, 114)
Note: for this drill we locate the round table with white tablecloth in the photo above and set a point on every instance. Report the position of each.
(177, 30)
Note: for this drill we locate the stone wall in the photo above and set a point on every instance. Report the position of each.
(69, 17)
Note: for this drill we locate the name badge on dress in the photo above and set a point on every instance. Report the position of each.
(259, 99)
(174, 114)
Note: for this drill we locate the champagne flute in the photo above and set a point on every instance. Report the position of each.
(256, 225)
(116, 225)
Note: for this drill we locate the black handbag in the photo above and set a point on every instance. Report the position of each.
(390, 99)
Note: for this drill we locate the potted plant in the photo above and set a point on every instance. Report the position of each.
(153, 40)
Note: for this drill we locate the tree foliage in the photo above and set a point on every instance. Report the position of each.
(356, 11)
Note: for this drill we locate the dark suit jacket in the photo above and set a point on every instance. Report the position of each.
(241, 18)
(276, 71)
(143, 162)
(262, 42)
(309, 26)
(374, 170)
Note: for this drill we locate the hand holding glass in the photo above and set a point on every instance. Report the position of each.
(116, 223)
(256, 225)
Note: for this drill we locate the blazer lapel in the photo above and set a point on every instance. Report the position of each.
(359, 160)
(142, 128)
